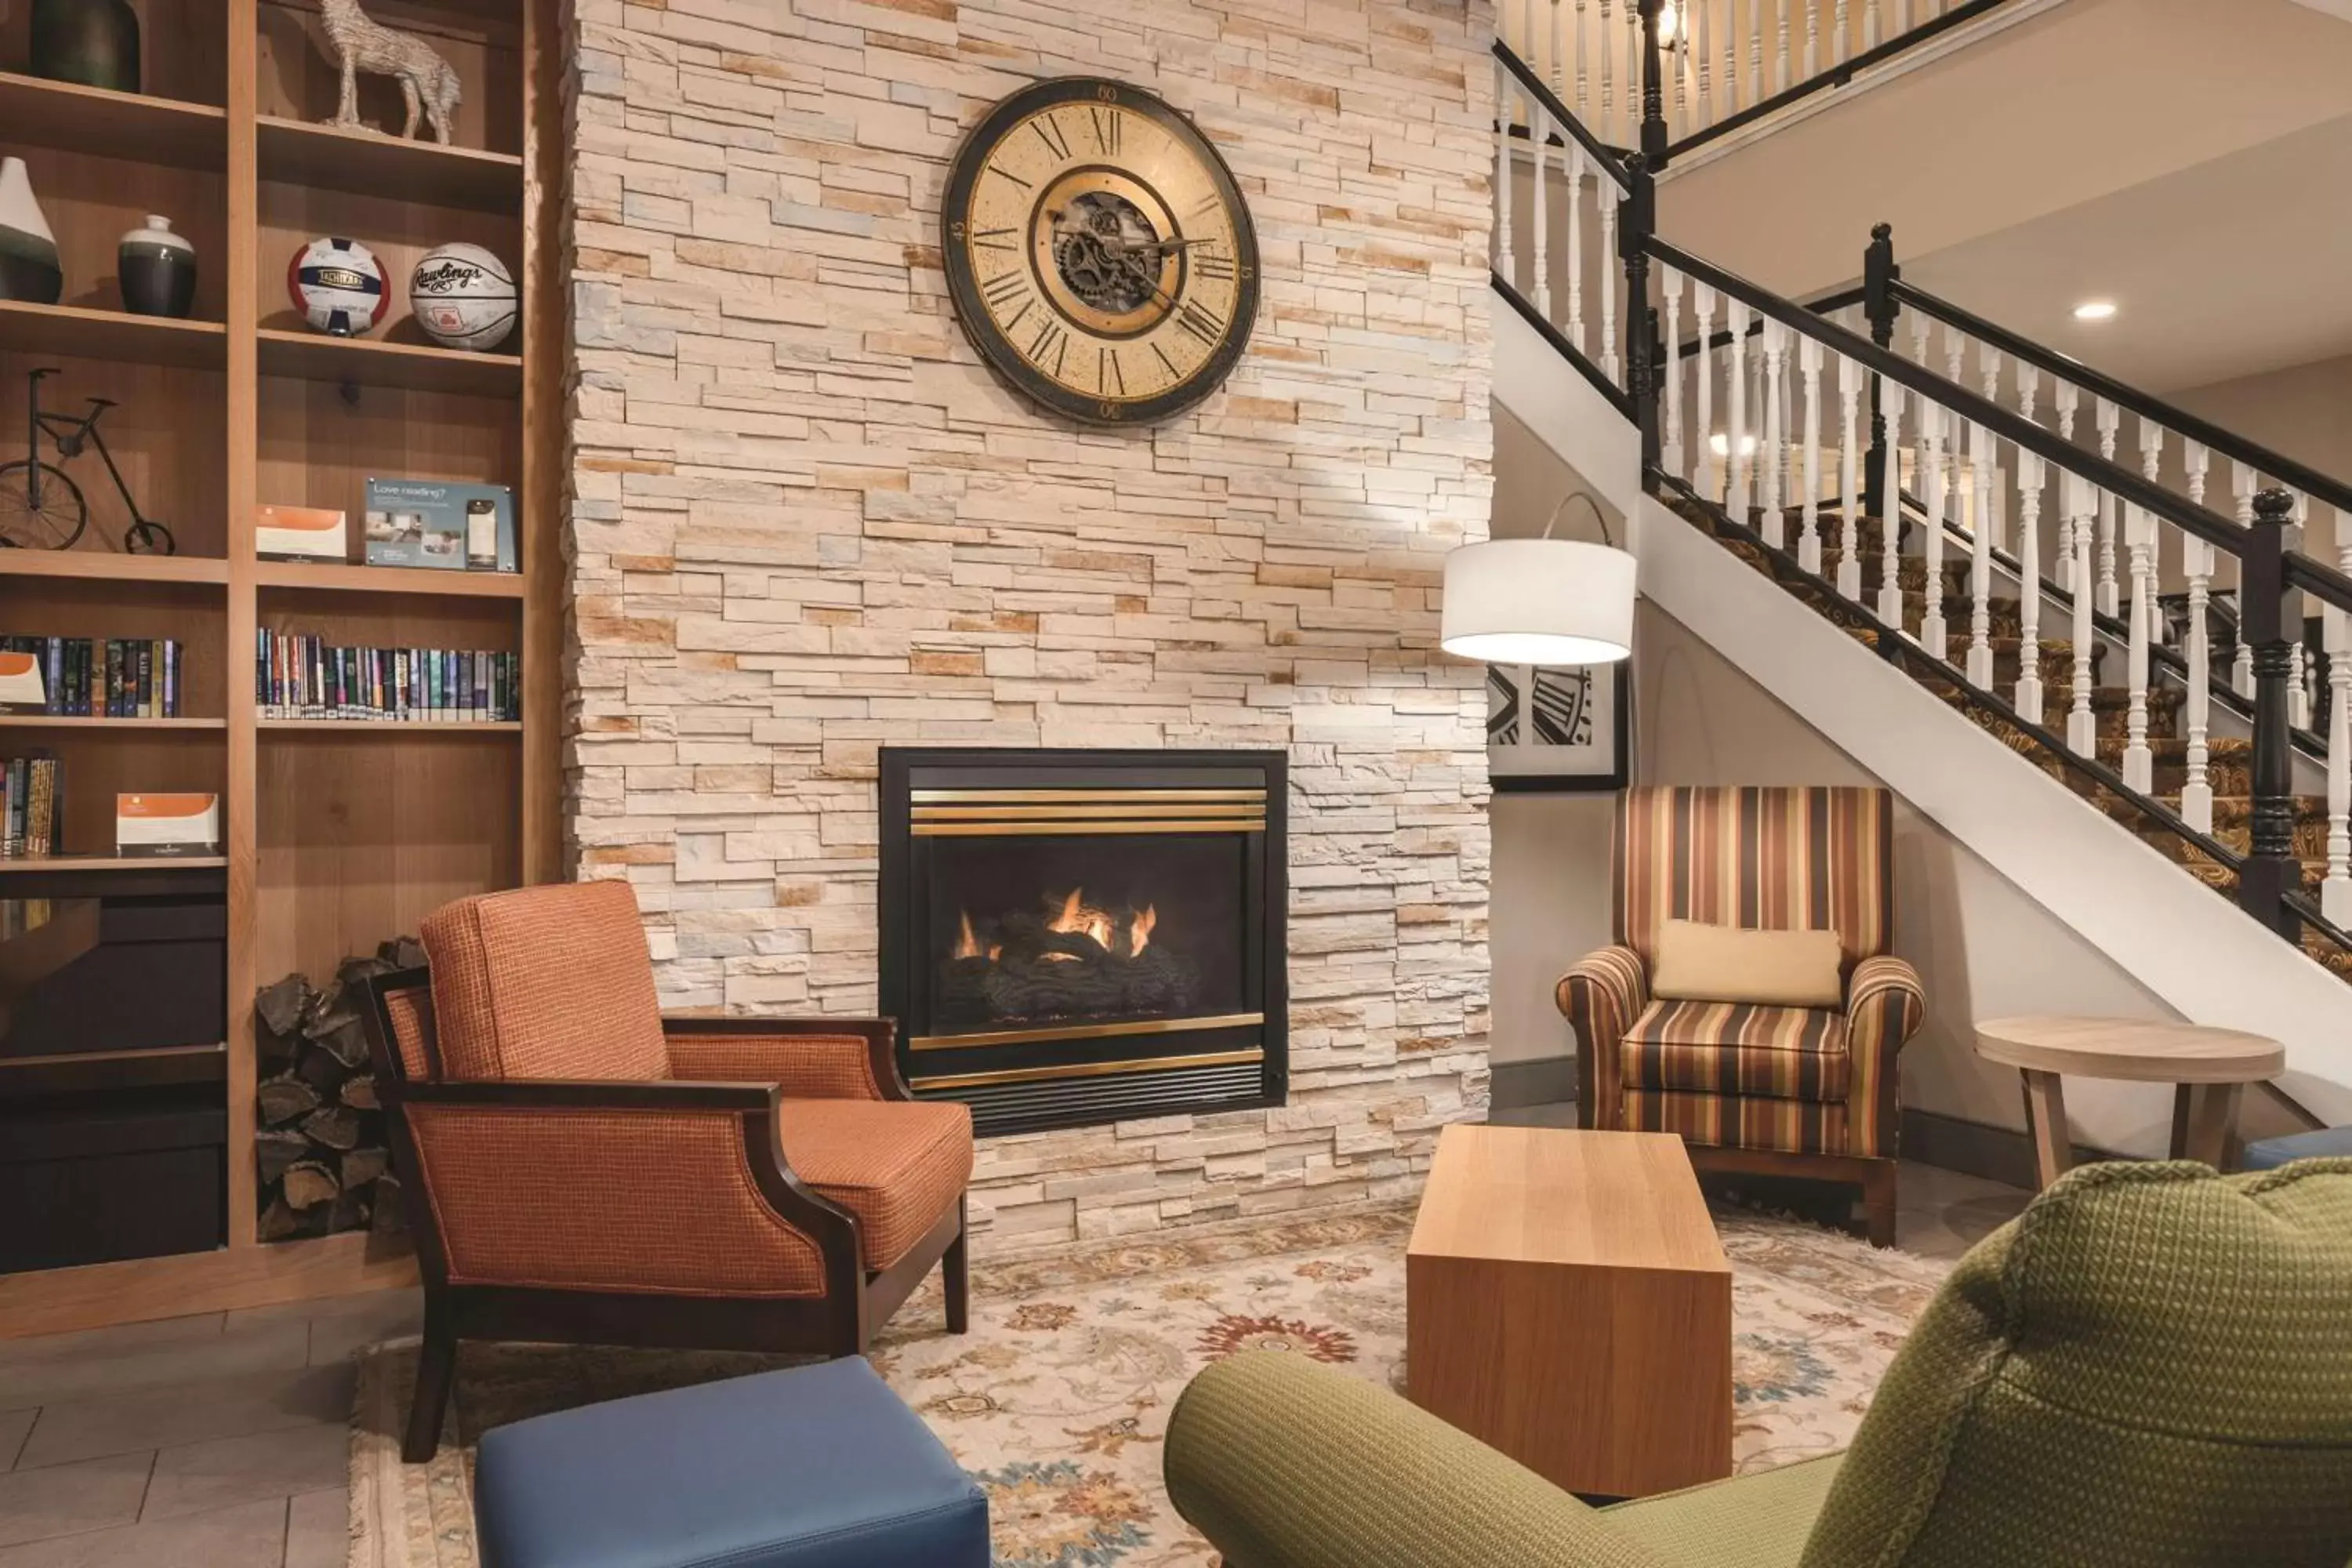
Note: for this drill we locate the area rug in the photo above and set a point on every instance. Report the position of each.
(1058, 1400)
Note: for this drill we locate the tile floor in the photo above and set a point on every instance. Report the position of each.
(219, 1441)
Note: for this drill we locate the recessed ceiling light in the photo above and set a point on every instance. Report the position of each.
(2094, 311)
(1720, 445)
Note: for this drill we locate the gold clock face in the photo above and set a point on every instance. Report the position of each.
(1098, 252)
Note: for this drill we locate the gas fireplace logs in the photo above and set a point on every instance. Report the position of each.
(1070, 959)
(320, 1149)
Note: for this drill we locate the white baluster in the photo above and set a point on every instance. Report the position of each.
(1890, 513)
(1932, 421)
(1981, 560)
(2197, 789)
(1780, 54)
(1679, 55)
(1576, 162)
(1809, 538)
(2109, 600)
(2028, 586)
(1702, 473)
(1606, 44)
(1583, 81)
(1730, 62)
(1813, 38)
(1540, 136)
(1503, 252)
(1735, 400)
(2242, 483)
(1670, 312)
(1902, 18)
(2139, 541)
(2151, 463)
(2335, 889)
(1870, 24)
(1849, 571)
(1837, 33)
(1755, 51)
(2080, 503)
(1609, 196)
(1696, 14)
(1989, 370)
(1776, 346)
(2298, 678)
(2065, 399)
(1558, 55)
(1632, 74)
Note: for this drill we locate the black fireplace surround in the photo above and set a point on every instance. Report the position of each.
(1070, 937)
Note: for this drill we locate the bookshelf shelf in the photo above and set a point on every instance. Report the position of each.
(369, 163)
(99, 565)
(345, 579)
(68, 721)
(76, 331)
(70, 118)
(374, 362)
(35, 863)
(390, 728)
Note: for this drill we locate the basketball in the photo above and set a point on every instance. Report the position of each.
(337, 285)
(463, 297)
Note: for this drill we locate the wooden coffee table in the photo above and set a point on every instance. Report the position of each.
(2209, 1069)
(1567, 1302)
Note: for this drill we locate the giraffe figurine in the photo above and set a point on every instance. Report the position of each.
(428, 84)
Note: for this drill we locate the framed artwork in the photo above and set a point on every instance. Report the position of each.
(1558, 729)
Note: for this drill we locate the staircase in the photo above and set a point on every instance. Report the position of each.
(1990, 519)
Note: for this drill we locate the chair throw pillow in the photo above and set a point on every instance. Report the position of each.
(1700, 962)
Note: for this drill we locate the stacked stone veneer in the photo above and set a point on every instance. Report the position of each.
(807, 521)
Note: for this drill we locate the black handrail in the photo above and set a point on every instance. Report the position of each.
(2120, 482)
(1837, 76)
(1836, 300)
(2277, 469)
(1548, 102)
(1619, 398)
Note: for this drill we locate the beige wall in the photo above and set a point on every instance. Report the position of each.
(807, 523)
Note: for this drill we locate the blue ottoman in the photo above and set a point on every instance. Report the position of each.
(2270, 1154)
(819, 1467)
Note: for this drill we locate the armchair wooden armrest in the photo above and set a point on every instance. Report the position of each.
(809, 1059)
(1601, 995)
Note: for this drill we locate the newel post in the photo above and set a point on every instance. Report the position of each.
(1879, 276)
(1653, 89)
(2272, 869)
(1643, 377)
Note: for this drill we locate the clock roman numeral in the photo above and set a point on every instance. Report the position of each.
(1166, 360)
(1004, 287)
(1014, 320)
(1205, 325)
(1212, 265)
(1109, 373)
(1206, 205)
(1051, 134)
(1001, 169)
(995, 239)
(1106, 127)
(1050, 339)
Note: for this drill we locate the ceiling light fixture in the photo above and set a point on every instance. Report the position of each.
(2094, 311)
(1669, 25)
(1720, 445)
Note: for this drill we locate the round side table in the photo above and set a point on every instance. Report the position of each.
(2210, 1068)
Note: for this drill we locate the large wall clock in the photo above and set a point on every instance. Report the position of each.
(1098, 253)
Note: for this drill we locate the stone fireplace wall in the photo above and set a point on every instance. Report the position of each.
(807, 521)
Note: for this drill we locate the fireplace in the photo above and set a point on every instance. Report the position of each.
(1077, 937)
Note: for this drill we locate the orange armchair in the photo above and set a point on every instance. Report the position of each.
(580, 1169)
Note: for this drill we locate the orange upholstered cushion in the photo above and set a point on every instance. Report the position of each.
(896, 1166)
(551, 981)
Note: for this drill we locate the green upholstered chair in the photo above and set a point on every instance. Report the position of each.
(2150, 1368)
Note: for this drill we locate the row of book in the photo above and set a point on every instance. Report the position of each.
(32, 805)
(302, 676)
(98, 677)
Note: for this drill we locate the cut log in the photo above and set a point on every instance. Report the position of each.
(346, 1040)
(348, 1212)
(362, 1166)
(359, 1092)
(322, 1072)
(281, 1005)
(354, 973)
(278, 1222)
(403, 953)
(391, 1215)
(283, 1099)
(274, 1149)
(333, 1126)
(309, 1182)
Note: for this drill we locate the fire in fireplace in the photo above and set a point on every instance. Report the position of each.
(1072, 937)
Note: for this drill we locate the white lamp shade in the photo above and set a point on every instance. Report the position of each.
(1551, 602)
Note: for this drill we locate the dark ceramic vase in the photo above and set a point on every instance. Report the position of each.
(157, 269)
(29, 253)
(93, 42)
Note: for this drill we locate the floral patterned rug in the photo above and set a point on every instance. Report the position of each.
(1058, 1400)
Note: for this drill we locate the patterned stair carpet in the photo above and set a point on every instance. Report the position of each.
(1058, 1400)
(2230, 761)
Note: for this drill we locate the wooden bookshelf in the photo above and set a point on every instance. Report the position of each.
(339, 833)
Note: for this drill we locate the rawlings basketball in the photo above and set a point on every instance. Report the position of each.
(337, 285)
(463, 297)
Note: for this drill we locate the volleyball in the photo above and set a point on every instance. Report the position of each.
(337, 285)
(462, 297)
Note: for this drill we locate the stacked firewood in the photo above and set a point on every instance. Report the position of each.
(320, 1143)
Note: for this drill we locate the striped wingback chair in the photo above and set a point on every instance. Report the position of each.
(1779, 1091)
(579, 1169)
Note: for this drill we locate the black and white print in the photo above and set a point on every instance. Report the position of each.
(1556, 729)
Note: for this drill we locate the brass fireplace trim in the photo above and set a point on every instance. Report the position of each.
(1079, 796)
(1076, 813)
(1094, 1069)
(1121, 825)
(1082, 1032)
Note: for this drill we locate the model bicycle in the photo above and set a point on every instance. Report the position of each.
(41, 508)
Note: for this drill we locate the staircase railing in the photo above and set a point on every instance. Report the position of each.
(1715, 66)
(1811, 434)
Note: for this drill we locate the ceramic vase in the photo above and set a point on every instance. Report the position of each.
(93, 42)
(29, 251)
(157, 269)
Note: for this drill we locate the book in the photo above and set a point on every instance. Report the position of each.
(300, 675)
